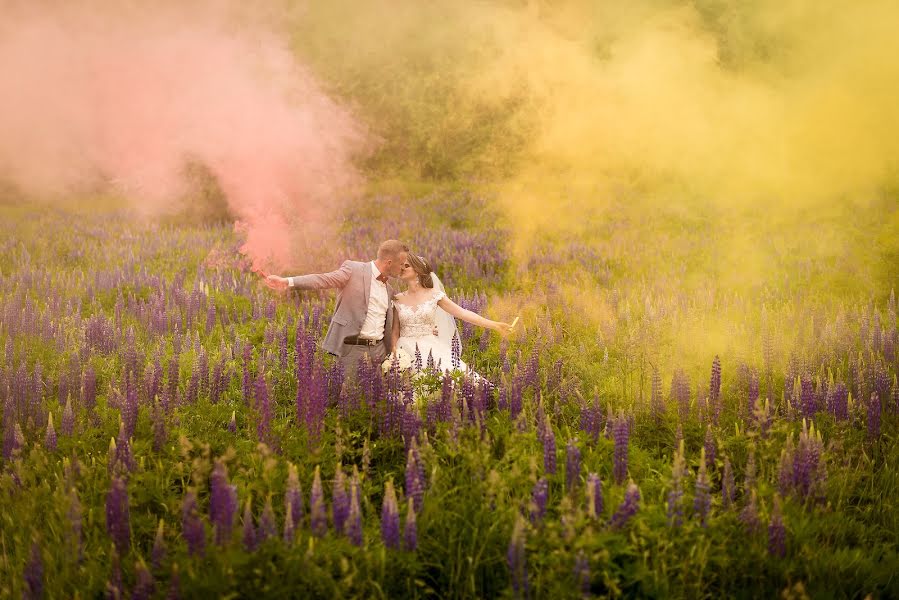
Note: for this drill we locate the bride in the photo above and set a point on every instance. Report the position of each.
(424, 317)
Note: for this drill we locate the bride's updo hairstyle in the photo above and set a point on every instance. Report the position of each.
(422, 268)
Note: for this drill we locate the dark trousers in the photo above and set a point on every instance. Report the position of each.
(352, 354)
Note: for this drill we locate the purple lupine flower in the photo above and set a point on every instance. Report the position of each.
(539, 496)
(410, 530)
(160, 433)
(114, 583)
(340, 501)
(807, 396)
(157, 554)
(50, 437)
(517, 560)
(549, 450)
(418, 361)
(749, 516)
(749, 479)
(728, 492)
(354, 520)
(144, 585)
(263, 405)
(874, 416)
(710, 448)
(318, 512)
(621, 434)
(89, 388)
(627, 508)
(34, 573)
(595, 501)
(715, 389)
(232, 424)
(67, 425)
(572, 465)
(118, 520)
(785, 468)
(250, 541)
(390, 518)
(777, 533)
(414, 484)
(582, 573)
(656, 403)
(293, 499)
(676, 494)
(702, 501)
(268, 526)
(680, 393)
(76, 537)
(192, 529)
(223, 503)
(124, 458)
(456, 351)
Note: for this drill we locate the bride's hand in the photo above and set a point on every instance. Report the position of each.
(504, 329)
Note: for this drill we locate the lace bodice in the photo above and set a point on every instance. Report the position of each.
(419, 320)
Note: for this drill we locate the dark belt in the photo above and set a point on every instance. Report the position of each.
(355, 340)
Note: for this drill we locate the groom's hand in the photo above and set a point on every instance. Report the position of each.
(276, 283)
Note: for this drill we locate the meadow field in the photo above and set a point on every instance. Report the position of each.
(700, 400)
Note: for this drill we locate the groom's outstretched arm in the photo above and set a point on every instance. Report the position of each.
(316, 281)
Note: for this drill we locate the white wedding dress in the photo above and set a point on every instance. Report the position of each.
(425, 327)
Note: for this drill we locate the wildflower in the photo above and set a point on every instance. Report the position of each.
(340, 501)
(582, 573)
(702, 501)
(34, 573)
(250, 541)
(144, 585)
(354, 520)
(749, 516)
(710, 448)
(621, 434)
(777, 533)
(192, 528)
(293, 501)
(50, 436)
(67, 425)
(317, 510)
(627, 508)
(118, 522)
(675, 495)
(157, 554)
(517, 560)
(223, 504)
(595, 502)
(572, 465)
(390, 519)
(538, 500)
(549, 450)
(268, 527)
(414, 483)
(727, 484)
(410, 531)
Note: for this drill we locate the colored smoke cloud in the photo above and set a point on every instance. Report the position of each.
(136, 97)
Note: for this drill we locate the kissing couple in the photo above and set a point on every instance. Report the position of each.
(370, 319)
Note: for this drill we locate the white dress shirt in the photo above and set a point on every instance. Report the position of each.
(373, 325)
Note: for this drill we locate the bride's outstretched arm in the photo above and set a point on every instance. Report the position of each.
(472, 317)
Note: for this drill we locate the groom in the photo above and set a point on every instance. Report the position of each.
(363, 317)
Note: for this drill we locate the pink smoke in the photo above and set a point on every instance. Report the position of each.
(129, 98)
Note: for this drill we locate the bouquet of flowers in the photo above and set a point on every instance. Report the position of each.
(403, 358)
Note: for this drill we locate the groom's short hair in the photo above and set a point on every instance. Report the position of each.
(391, 249)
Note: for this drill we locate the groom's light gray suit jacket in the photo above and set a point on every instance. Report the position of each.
(353, 279)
